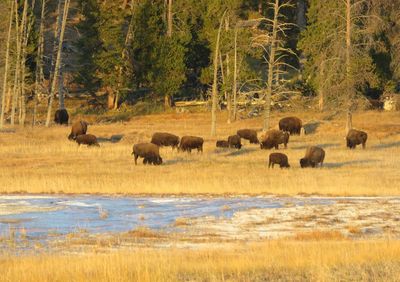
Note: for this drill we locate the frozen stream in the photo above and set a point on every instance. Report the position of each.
(40, 217)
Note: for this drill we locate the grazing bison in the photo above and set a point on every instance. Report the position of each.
(234, 142)
(222, 144)
(87, 139)
(165, 139)
(278, 158)
(314, 156)
(78, 128)
(191, 142)
(291, 124)
(248, 134)
(272, 138)
(61, 117)
(149, 152)
(356, 137)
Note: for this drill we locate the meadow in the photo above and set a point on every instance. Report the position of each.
(42, 160)
(285, 260)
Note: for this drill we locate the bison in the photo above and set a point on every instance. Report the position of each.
(222, 144)
(272, 138)
(291, 124)
(356, 137)
(314, 156)
(191, 142)
(278, 158)
(87, 139)
(61, 116)
(149, 152)
(248, 134)
(78, 128)
(165, 139)
(234, 142)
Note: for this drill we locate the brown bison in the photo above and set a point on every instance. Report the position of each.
(272, 138)
(248, 134)
(61, 116)
(87, 139)
(165, 139)
(291, 124)
(78, 128)
(149, 152)
(278, 158)
(356, 137)
(222, 144)
(191, 142)
(234, 142)
(314, 156)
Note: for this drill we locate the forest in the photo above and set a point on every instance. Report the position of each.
(323, 54)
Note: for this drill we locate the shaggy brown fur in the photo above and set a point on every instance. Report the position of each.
(314, 156)
(148, 151)
(234, 142)
(291, 124)
(356, 137)
(222, 144)
(191, 142)
(248, 134)
(165, 139)
(61, 116)
(87, 139)
(272, 138)
(78, 128)
(278, 158)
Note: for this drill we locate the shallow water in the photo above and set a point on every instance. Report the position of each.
(43, 216)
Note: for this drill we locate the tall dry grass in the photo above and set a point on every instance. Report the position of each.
(42, 160)
(271, 261)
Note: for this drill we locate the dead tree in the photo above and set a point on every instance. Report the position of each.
(58, 60)
(17, 66)
(214, 96)
(6, 67)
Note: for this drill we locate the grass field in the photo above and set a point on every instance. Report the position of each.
(42, 160)
(271, 261)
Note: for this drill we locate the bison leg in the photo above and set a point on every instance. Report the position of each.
(145, 161)
(363, 145)
(136, 157)
(269, 164)
(276, 146)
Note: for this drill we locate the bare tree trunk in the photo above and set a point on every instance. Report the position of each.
(260, 7)
(215, 81)
(301, 20)
(168, 99)
(271, 63)
(321, 94)
(56, 42)
(61, 105)
(234, 88)
(348, 66)
(3, 96)
(228, 75)
(58, 60)
(39, 64)
(17, 66)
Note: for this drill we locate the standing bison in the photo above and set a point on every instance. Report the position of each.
(78, 128)
(61, 116)
(87, 139)
(165, 139)
(191, 142)
(248, 134)
(314, 156)
(278, 158)
(272, 138)
(148, 151)
(356, 137)
(222, 144)
(234, 142)
(291, 124)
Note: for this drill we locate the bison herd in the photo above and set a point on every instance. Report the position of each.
(150, 152)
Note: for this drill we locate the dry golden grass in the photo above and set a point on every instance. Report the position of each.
(275, 260)
(42, 160)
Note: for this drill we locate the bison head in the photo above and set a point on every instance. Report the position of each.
(304, 163)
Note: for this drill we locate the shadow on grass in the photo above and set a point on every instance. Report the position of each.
(324, 146)
(177, 161)
(348, 163)
(242, 151)
(113, 139)
(386, 145)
